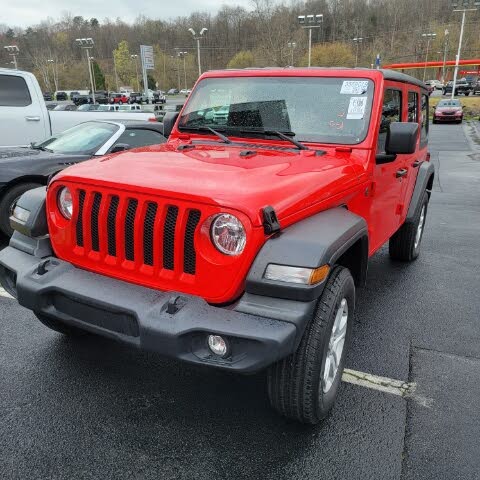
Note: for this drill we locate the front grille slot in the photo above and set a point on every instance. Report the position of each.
(169, 238)
(97, 198)
(111, 226)
(130, 229)
(189, 255)
(148, 233)
(79, 225)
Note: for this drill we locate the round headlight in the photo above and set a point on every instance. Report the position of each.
(65, 203)
(228, 234)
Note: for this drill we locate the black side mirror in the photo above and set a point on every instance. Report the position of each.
(120, 147)
(402, 138)
(168, 122)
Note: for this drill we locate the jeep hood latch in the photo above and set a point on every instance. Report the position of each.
(270, 221)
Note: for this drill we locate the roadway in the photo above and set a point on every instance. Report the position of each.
(93, 409)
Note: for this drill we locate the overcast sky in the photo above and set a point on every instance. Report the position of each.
(29, 12)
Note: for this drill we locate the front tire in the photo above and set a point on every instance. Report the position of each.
(8, 202)
(60, 327)
(304, 385)
(405, 243)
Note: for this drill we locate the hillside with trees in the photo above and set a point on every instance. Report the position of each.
(238, 37)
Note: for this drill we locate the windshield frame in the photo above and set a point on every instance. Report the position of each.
(234, 131)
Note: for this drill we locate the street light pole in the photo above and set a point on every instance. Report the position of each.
(13, 51)
(457, 58)
(310, 22)
(87, 44)
(183, 55)
(198, 38)
(292, 46)
(135, 58)
(428, 36)
(357, 41)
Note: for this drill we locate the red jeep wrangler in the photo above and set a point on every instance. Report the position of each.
(239, 244)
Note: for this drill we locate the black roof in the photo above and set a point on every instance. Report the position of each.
(387, 73)
(401, 77)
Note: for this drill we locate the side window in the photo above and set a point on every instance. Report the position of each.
(391, 112)
(140, 138)
(424, 119)
(413, 107)
(14, 92)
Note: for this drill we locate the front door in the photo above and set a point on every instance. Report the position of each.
(387, 200)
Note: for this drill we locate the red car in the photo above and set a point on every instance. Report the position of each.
(118, 98)
(238, 245)
(448, 111)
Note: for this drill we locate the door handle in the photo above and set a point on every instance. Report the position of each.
(32, 119)
(401, 173)
(416, 163)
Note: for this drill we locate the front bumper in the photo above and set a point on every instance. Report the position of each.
(169, 323)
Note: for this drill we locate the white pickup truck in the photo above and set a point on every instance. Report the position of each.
(24, 117)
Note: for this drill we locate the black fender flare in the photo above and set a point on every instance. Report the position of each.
(322, 239)
(426, 173)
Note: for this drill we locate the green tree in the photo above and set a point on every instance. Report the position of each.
(334, 54)
(243, 59)
(10, 34)
(99, 77)
(124, 64)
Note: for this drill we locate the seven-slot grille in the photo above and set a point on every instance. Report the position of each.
(109, 223)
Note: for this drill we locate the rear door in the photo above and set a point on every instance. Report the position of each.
(23, 116)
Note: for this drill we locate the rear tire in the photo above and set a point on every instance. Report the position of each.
(405, 243)
(304, 385)
(60, 327)
(7, 204)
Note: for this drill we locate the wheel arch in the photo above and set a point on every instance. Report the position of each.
(332, 237)
(40, 179)
(425, 178)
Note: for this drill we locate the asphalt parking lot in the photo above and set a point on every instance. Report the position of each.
(94, 409)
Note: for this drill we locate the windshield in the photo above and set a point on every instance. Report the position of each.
(316, 109)
(85, 138)
(448, 103)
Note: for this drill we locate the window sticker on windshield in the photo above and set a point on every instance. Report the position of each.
(354, 87)
(356, 108)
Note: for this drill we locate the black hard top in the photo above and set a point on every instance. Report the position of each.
(388, 74)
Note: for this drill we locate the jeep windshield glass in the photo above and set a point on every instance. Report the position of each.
(317, 109)
(83, 139)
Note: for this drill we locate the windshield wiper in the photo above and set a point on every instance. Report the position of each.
(283, 135)
(222, 137)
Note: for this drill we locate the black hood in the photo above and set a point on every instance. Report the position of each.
(20, 162)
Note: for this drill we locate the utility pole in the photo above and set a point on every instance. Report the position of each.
(310, 22)
(445, 49)
(135, 58)
(198, 38)
(87, 44)
(13, 51)
(357, 41)
(428, 36)
(292, 46)
(457, 58)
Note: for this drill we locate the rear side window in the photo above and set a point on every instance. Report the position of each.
(424, 119)
(14, 92)
(391, 112)
(413, 107)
